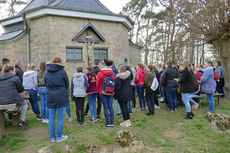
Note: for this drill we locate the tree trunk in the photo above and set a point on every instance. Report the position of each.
(224, 47)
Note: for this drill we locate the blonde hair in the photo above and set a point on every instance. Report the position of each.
(187, 65)
(30, 67)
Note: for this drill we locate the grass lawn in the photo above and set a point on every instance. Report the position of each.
(164, 132)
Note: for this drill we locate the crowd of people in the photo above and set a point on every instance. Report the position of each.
(176, 85)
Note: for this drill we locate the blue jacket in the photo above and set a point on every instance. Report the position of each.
(57, 85)
(220, 71)
(207, 81)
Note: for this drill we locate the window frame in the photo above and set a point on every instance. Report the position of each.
(75, 60)
(106, 49)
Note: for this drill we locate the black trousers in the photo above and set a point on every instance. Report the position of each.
(156, 98)
(98, 106)
(79, 102)
(150, 100)
(134, 97)
(124, 109)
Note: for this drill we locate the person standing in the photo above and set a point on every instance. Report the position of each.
(43, 92)
(18, 70)
(57, 84)
(169, 81)
(220, 82)
(150, 75)
(92, 93)
(133, 87)
(107, 73)
(79, 85)
(115, 70)
(187, 87)
(30, 83)
(140, 79)
(96, 71)
(208, 84)
(123, 93)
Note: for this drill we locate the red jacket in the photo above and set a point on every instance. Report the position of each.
(101, 76)
(140, 77)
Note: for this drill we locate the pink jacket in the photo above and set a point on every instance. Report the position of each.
(140, 78)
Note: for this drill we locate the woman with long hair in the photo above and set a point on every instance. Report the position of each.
(140, 79)
(123, 93)
(30, 83)
(43, 92)
(187, 87)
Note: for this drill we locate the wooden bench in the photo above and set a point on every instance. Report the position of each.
(215, 95)
(15, 118)
(10, 108)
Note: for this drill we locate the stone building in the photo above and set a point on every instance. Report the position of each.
(78, 31)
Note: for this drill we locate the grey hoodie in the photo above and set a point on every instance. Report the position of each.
(79, 85)
(30, 80)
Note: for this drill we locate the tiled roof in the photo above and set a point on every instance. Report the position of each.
(93, 6)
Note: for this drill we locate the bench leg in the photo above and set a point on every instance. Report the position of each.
(2, 125)
(15, 119)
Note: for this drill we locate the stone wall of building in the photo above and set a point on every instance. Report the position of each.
(50, 35)
(14, 50)
(135, 54)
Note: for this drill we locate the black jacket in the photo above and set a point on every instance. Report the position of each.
(10, 87)
(168, 77)
(187, 82)
(19, 72)
(123, 88)
(57, 84)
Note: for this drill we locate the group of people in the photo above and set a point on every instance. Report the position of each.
(102, 83)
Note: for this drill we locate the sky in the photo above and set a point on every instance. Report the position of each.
(113, 5)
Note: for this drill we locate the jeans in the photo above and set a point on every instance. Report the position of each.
(60, 123)
(24, 107)
(43, 97)
(34, 101)
(118, 107)
(68, 110)
(150, 100)
(191, 98)
(124, 110)
(211, 103)
(134, 96)
(140, 92)
(108, 107)
(98, 104)
(130, 103)
(185, 99)
(79, 102)
(171, 93)
(92, 104)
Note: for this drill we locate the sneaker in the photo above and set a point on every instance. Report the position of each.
(63, 138)
(92, 120)
(70, 119)
(109, 125)
(44, 121)
(157, 107)
(148, 114)
(53, 140)
(39, 118)
(23, 123)
(118, 114)
(82, 123)
(86, 115)
(98, 117)
(175, 109)
(47, 121)
(122, 124)
(133, 110)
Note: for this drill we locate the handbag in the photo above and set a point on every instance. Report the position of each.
(155, 84)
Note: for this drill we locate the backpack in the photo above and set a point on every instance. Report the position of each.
(108, 87)
(92, 80)
(216, 75)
